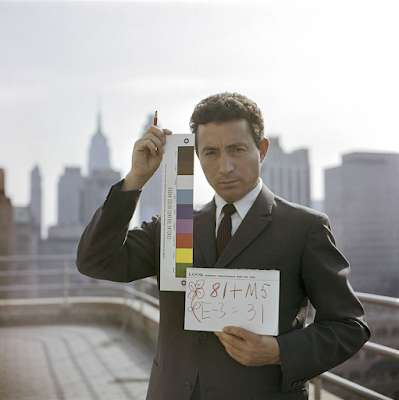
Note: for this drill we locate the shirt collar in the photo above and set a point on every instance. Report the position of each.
(243, 205)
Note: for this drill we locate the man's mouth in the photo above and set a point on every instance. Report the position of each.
(228, 183)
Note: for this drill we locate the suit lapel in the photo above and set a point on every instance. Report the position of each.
(257, 219)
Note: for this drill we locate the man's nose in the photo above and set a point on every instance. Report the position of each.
(225, 164)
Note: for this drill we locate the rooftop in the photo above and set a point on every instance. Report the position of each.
(72, 362)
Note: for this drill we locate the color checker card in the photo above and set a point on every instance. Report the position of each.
(177, 211)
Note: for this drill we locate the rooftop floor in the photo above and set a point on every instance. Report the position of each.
(72, 362)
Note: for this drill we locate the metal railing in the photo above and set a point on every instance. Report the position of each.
(384, 351)
(71, 283)
(68, 281)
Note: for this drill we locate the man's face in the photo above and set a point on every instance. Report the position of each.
(230, 158)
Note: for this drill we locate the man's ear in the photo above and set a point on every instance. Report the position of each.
(264, 146)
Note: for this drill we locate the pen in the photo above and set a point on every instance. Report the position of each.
(156, 118)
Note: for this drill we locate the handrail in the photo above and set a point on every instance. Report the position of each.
(37, 257)
(384, 351)
(381, 350)
(88, 284)
(378, 300)
(65, 285)
(352, 387)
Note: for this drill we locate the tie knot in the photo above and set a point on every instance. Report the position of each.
(229, 209)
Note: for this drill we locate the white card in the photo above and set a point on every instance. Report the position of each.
(245, 298)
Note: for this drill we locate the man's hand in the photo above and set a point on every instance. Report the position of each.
(146, 158)
(248, 348)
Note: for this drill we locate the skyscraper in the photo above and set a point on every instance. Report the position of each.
(95, 191)
(36, 199)
(6, 232)
(287, 174)
(362, 201)
(101, 176)
(98, 152)
(6, 220)
(70, 194)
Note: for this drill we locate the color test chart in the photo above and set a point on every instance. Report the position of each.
(177, 211)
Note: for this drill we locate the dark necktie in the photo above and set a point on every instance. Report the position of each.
(224, 232)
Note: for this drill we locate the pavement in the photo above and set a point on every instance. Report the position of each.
(56, 362)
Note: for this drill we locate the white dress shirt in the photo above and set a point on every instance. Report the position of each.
(242, 206)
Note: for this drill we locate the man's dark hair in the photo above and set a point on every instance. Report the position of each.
(226, 106)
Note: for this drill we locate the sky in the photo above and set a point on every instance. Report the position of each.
(324, 73)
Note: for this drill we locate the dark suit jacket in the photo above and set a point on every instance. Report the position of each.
(275, 234)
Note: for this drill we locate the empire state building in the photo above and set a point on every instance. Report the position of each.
(100, 174)
(99, 152)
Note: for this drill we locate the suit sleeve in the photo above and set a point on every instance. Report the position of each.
(339, 329)
(108, 250)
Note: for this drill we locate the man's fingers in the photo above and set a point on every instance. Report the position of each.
(146, 158)
(160, 133)
(152, 142)
(231, 341)
(249, 348)
(154, 139)
(235, 347)
(158, 140)
(239, 332)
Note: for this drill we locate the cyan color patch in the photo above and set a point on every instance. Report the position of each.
(185, 196)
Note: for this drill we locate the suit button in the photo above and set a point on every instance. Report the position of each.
(188, 385)
(202, 336)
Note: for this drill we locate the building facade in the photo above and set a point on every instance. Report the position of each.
(35, 205)
(6, 232)
(362, 201)
(6, 220)
(287, 174)
(70, 197)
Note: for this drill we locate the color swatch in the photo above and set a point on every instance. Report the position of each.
(184, 209)
(177, 211)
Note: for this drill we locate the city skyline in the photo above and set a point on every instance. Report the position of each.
(324, 75)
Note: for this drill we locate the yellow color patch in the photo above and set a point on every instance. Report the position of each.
(184, 255)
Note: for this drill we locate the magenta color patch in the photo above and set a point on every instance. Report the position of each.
(184, 226)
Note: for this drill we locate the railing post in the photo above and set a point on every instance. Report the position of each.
(125, 294)
(65, 273)
(317, 388)
(141, 288)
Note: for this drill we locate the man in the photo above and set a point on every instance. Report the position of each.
(267, 233)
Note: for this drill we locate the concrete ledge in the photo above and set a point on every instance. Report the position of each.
(141, 318)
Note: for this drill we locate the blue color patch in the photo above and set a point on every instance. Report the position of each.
(184, 196)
